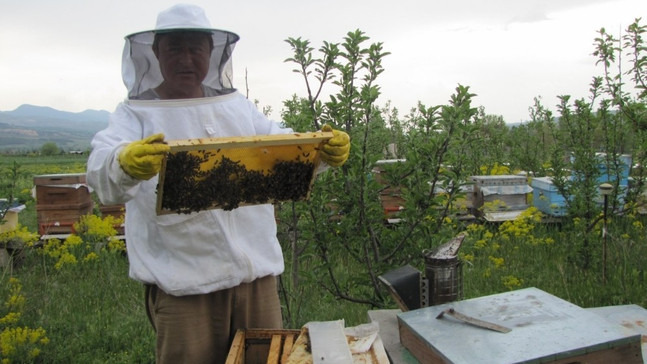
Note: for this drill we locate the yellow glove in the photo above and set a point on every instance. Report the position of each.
(142, 159)
(335, 151)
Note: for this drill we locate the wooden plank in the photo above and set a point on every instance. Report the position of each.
(59, 179)
(390, 337)
(275, 350)
(420, 349)
(287, 348)
(54, 195)
(66, 206)
(626, 354)
(237, 350)
(248, 141)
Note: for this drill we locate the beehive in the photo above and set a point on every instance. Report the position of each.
(509, 189)
(61, 199)
(201, 174)
(390, 196)
(275, 346)
(624, 168)
(546, 198)
(542, 329)
(261, 346)
(11, 214)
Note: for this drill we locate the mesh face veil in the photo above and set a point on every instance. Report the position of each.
(140, 68)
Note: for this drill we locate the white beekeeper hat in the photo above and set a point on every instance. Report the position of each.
(140, 69)
(183, 17)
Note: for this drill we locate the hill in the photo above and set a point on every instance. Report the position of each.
(28, 127)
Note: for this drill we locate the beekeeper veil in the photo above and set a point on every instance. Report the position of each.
(140, 68)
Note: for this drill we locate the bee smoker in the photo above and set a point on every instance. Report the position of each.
(442, 281)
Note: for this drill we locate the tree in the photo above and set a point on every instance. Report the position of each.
(343, 219)
(49, 148)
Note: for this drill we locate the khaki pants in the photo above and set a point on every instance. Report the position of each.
(200, 328)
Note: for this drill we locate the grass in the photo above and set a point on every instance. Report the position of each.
(92, 312)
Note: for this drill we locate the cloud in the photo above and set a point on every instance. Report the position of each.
(532, 16)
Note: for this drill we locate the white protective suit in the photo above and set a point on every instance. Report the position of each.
(199, 252)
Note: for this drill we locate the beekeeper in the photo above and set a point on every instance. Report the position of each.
(210, 273)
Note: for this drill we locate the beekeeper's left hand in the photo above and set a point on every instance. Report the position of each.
(336, 149)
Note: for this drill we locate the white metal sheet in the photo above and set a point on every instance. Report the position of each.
(328, 343)
(544, 328)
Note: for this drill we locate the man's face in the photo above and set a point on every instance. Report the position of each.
(184, 61)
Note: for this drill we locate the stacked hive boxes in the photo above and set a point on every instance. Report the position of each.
(390, 196)
(61, 199)
(548, 200)
(510, 190)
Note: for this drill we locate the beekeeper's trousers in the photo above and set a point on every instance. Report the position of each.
(200, 328)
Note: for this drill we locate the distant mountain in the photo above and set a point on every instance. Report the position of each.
(46, 112)
(28, 127)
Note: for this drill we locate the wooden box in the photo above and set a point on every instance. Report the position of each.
(59, 179)
(511, 190)
(58, 189)
(117, 211)
(392, 203)
(624, 166)
(59, 219)
(261, 346)
(56, 195)
(269, 346)
(11, 216)
(546, 198)
(202, 174)
(63, 212)
(390, 196)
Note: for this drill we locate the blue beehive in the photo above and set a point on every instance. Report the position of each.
(546, 198)
(624, 168)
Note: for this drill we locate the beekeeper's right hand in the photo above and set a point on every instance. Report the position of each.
(142, 159)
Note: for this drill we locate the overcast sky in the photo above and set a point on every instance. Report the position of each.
(66, 54)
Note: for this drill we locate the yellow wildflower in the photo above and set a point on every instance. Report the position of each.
(498, 262)
(511, 282)
(90, 257)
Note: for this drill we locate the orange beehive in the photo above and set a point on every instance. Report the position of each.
(61, 199)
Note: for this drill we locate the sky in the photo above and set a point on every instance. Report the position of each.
(66, 54)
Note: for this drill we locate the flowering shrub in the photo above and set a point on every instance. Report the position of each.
(493, 206)
(93, 235)
(94, 229)
(522, 227)
(490, 245)
(18, 237)
(511, 282)
(18, 344)
(495, 170)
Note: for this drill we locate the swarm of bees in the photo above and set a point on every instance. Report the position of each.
(229, 184)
